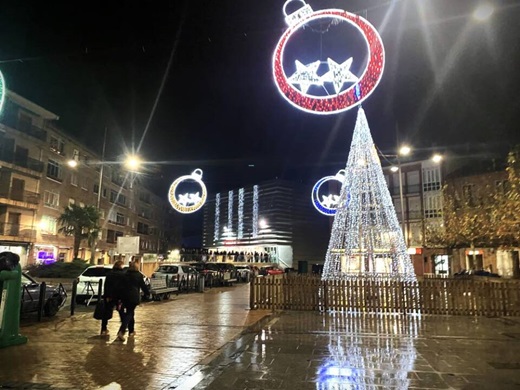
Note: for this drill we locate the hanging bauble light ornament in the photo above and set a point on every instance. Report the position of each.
(2, 91)
(188, 202)
(327, 86)
(327, 201)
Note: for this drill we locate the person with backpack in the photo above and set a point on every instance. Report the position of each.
(115, 287)
(131, 298)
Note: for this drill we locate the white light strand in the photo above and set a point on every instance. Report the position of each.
(230, 211)
(216, 234)
(366, 239)
(240, 232)
(255, 211)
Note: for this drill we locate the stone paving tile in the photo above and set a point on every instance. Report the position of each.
(173, 337)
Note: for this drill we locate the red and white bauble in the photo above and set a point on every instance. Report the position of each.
(347, 90)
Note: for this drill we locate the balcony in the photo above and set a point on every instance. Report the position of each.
(17, 232)
(24, 162)
(407, 190)
(24, 198)
(10, 119)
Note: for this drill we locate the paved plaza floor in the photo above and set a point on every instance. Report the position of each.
(212, 341)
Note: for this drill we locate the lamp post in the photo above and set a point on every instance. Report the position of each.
(100, 182)
(403, 151)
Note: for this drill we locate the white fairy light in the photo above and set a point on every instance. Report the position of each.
(216, 233)
(366, 239)
(240, 228)
(255, 211)
(230, 211)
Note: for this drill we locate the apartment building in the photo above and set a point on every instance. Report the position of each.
(43, 170)
(417, 197)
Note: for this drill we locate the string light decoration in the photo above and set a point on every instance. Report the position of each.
(342, 88)
(366, 239)
(2, 91)
(255, 211)
(240, 227)
(328, 203)
(216, 233)
(188, 202)
(230, 211)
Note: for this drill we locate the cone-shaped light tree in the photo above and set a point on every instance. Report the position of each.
(366, 239)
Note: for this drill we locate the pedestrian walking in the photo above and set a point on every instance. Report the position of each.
(131, 298)
(115, 286)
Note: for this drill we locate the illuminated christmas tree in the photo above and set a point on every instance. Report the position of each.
(366, 239)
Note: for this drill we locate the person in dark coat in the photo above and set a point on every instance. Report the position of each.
(131, 298)
(114, 287)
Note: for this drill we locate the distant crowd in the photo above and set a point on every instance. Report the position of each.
(201, 254)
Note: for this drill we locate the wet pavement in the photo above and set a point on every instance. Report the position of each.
(306, 350)
(212, 341)
(172, 339)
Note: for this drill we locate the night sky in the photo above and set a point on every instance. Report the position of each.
(450, 84)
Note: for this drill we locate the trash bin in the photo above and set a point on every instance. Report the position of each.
(10, 299)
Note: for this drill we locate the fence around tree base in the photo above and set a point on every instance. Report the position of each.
(430, 296)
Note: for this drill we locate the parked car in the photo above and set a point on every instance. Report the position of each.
(55, 297)
(174, 269)
(244, 272)
(179, 275)
(88, 281)
(213, 276)
(270, 270)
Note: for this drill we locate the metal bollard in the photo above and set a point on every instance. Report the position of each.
(73, 296)
(201, 283)
(41, 301)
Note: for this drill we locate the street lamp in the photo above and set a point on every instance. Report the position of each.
(133, 162)
(404, 150)
(483, 12)
(437, 158)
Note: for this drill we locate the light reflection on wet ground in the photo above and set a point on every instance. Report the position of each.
(304, 350)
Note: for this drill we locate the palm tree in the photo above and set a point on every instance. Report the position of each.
(82, 223)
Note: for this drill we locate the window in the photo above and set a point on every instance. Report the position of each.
(73, 179)
(57, 145)
(95, 190)
(431, 179)
(142, 228)
(115, 217)
(84, 183)
(75, 155)
(120, 219)
(51, 199)
(54, 170)
(112, 236)
(433, 206)
(24, 123)
(117, 198)
(104, 193)
(48, 225)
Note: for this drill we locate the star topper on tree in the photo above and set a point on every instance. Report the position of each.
(327, 83)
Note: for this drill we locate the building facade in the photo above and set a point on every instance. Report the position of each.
(274, 218)
(417, 197)
(43, 170)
